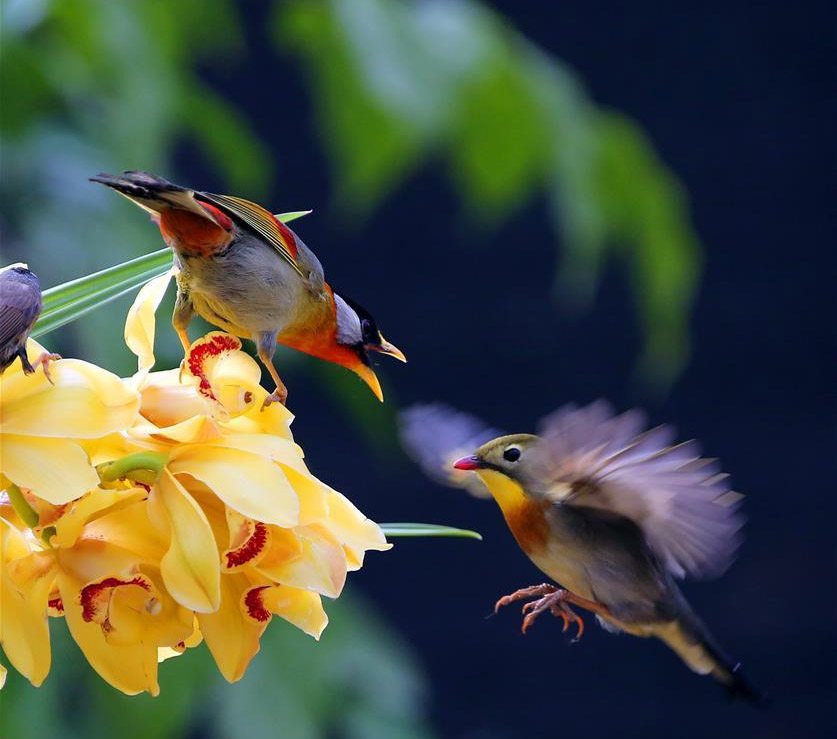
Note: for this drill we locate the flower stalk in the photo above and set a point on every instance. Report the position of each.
(143, 467)
(25, 512)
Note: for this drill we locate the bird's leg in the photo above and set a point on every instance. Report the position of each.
(266, 347)
(556, 601)
(41, 361)
(181, 317)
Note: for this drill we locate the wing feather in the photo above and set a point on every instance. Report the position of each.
(590, 457)
(20, 305)
(435, 435)
(263, 222)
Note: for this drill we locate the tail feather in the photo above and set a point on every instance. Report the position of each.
(692, 642)
(152, 193)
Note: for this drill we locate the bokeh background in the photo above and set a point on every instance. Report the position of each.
(541, 203)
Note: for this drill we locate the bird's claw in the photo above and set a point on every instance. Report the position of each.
(43, 361)
(276, 395)
(549, 598)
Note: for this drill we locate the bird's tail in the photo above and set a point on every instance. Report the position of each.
(689, 638)
(152, 193)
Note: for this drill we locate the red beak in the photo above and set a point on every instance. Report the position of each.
(468, 463)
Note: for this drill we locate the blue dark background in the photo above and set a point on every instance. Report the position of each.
(738, 100)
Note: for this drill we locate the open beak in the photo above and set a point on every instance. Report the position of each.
(386, 348)
(371, 379)
(472, 462)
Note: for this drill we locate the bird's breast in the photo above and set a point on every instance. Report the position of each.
(525, 516)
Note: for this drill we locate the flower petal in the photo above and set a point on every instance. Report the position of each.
(69, 524)
(24, 629)
(56, 470)
(355, 531)
(140, 324)
(318, 564)
(191, 568)
(86, 402)
(301, 608)
(252, 485)
(129, 668)
(232, 637)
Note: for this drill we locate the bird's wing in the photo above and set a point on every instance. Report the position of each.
(588, 457)
(436, 435)
(264, 223)
(20, 305)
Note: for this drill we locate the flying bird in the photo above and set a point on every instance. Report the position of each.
(611, 513)
(243, 270)
(20, 306)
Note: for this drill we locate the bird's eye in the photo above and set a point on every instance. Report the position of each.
(512, 454)
(366, 329)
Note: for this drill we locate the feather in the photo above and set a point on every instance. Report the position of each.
(263, 222)
(681, 502)
(435, 435)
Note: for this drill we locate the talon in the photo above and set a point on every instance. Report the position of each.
(43, 361)
(556, 601)
(276, 395)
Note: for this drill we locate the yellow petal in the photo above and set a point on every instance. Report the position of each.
(2, 676)
(354, 530)
(69, 525)
(275, 419)
(301, 608)
(191, 568)
(166, 403)
(195, 430)
(86, 402)
(126, 529)
(140, 323)
(319, 565)
(252, 485)
(56, 470)
(129, 668)
(232, 637)
(24, 629)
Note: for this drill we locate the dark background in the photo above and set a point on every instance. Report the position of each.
(739, 100)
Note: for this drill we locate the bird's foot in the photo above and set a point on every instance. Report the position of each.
(43, 361)
(549, 598)
(279, 394)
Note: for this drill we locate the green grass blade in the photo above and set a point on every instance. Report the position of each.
(426, 529)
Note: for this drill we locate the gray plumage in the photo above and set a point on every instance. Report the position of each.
(20, 306)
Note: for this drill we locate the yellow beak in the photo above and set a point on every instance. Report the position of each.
(371, 379)
(386, 348)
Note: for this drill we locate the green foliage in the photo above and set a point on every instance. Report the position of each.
(398, 83)
(426, 529)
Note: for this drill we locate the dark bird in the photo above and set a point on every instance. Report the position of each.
(611, 513)
(243, 270)
(20, 306)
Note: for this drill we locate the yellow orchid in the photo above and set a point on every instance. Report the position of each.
(196, 518)
(42, 422)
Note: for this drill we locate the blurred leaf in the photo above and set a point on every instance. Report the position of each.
(426, 529)
(399, 83)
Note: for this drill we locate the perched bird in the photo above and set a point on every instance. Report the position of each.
(610, 513)
(244, 271)
(20, 306)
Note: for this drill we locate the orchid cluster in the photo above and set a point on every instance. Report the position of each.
(159, 511)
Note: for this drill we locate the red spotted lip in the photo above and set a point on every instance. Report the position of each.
(472, 462)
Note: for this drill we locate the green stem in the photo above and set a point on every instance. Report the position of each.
(143, 467)
(25, 511)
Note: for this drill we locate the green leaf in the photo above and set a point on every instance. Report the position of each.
(71, 300)
(426, 529)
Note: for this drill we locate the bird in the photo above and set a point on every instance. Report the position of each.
(243, 270)
(611, 513)
(20, 306)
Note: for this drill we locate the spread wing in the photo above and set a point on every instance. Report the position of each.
(20, 305)
(263, 222)
(436, 435)
(589, 457)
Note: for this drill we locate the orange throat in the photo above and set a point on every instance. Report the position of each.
(525, 516)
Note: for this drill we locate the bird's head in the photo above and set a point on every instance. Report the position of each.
(358, 334)
(507, 455)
